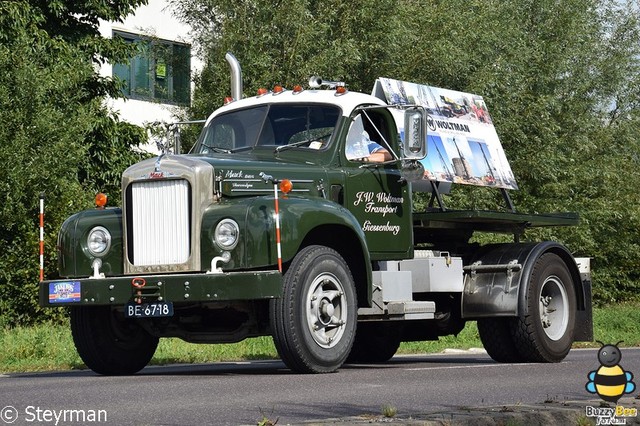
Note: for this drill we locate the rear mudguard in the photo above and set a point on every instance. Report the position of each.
(499, 290)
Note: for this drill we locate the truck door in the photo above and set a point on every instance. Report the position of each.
(375, 193)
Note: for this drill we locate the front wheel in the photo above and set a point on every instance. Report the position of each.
(314, 322)
(108, 343)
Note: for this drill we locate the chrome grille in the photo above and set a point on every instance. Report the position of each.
(160, 222)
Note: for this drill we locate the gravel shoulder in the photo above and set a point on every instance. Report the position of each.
(548, 413)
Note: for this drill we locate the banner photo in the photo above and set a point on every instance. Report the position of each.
(462, 144)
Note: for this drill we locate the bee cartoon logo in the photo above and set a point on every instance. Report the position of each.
(610, 381)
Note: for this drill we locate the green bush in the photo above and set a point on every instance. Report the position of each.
(56, 139)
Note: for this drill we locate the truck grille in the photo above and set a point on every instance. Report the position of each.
(160, 225)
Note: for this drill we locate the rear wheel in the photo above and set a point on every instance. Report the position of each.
(496, 337)
(108, 343)
(545, 333)
(314, 322)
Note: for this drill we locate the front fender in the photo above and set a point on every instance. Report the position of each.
(299, 217)
(317, 221)
(74, 259)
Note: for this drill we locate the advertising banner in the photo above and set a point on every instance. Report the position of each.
(462, 144)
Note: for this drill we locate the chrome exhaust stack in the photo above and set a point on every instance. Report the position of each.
(236, 76)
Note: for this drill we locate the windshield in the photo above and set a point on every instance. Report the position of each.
(306, 126)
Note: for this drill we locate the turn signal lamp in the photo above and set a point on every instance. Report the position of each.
(101, 200)
(286, 186)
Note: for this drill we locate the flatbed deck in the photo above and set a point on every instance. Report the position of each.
(491, 221)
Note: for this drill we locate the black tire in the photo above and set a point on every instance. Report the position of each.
(108, 343)
(496, 337)
(374, 343)
(545, 333)
(318, 292)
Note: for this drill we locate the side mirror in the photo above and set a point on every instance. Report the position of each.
(414, 145)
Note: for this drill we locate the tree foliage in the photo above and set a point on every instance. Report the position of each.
(561, 81)
(286, 42)
(56, 136)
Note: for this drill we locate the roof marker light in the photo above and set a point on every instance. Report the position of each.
(341, 90)
(262, 91)
(277, 89)
(228, 100)
(297, 89)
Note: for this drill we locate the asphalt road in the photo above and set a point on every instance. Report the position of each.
(244, 393)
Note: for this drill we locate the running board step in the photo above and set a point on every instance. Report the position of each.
(412, 310)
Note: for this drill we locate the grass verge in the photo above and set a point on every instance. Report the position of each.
(49, 346)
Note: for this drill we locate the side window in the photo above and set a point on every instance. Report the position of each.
(356, 149)
(366, 139)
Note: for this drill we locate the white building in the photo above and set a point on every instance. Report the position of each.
(159, 78)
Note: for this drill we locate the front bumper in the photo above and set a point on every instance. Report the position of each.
(177, 288)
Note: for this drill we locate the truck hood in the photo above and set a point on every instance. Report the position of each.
(242, 175)
(233, 176)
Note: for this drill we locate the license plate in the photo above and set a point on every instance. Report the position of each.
(148, 310)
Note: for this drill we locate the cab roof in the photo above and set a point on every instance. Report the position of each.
(346, 101)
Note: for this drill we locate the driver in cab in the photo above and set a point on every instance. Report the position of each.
(366, 150)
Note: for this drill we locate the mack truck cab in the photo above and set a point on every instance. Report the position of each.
(278, 223)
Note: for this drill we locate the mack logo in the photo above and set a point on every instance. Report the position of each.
(233, 174)
(156, 175)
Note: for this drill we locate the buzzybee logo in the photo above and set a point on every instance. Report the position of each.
(610, 382)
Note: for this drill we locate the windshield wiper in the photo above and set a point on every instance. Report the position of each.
(217, 149)
(242, 148)
(227, 151)
(292, 144)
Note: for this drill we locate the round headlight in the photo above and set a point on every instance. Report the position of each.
(99, 241)
(226, 234)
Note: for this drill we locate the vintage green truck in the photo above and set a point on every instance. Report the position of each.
(269, 227)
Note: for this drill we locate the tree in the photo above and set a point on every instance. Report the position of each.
(561, 80)
(56, 136)
(561, 83)
(286, 42)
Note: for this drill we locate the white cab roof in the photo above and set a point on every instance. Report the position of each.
(347, 101)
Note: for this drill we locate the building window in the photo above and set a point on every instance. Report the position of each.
(160, 70)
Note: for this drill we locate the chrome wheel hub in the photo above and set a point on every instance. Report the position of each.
(554, 308)
(326, 310)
